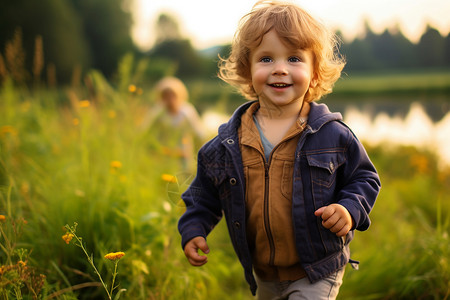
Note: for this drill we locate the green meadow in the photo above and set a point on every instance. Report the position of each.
(79, 155)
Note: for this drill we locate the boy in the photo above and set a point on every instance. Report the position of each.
(291, 179)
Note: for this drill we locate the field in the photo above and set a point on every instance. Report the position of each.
(78, 155)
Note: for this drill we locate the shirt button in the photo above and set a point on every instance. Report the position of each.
(233, 181)
(237, 224)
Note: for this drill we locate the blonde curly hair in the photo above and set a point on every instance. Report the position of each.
(297, 29)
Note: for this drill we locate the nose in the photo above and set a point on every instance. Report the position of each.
(279, 68)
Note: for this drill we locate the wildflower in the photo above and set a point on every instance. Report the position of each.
(2, 218)
(115, 164)
(112, 114)
(169, 178)
(132, 88)
(114, 255)
(8, 129)
(67, 237)
(22, 263)
(85, 103)
(75, 121)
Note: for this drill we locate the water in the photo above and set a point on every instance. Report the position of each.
(423, 124)
(417, 129)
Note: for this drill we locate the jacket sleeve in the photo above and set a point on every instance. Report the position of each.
(361, 184)
(203, 208)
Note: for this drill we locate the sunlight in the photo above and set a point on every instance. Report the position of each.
(209, 23)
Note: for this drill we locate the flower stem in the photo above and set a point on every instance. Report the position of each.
(114, 276)
(91, 261)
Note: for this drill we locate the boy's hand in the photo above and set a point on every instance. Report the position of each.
(336, 218)
(191, 251)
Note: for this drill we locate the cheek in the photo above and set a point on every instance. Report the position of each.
(303, 77)
(259, 77)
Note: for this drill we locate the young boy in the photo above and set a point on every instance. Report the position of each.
(291, 179)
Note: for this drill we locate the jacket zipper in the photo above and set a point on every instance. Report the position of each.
(266, 216)
(266, 203)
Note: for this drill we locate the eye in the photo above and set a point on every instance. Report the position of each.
(265, 59)
(294, 59)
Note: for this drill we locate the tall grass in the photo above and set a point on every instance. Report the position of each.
(80, 155)
(67, 157)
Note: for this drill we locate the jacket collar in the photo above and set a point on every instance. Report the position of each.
(230, 128)
(319, 115)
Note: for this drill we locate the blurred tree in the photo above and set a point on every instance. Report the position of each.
(447, 50)
(106, 27)
(75, 34)
(182, 54)
(59, 25)
(393, 50)
(430, 49)
(359, 52)
(359, 56)
(171, 46)
(167, 29)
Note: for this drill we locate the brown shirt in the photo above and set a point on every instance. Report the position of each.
(270, 229)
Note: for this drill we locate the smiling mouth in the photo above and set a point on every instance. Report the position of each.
(280, 85)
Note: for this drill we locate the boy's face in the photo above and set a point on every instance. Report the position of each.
(281, 75)
(170, 101)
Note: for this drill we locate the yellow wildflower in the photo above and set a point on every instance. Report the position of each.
(169, 178)
(114, 255)
(2, 218)
(115, 164)
(67, 237)
(85, 103)
(112, 114)
(8, 129)
(132, 88)
(22, 263)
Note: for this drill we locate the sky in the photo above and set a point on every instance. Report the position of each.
(209, 22)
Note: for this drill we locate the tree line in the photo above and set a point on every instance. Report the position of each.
(62, 39)
(391, 50)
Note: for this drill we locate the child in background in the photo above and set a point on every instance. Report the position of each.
(291, 179)
(176, 126)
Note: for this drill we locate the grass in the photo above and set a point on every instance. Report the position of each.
(74, 156)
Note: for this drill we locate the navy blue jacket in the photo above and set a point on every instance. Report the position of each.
(331, 166)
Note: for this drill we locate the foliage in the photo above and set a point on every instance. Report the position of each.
(405, 253)
(76, 34)
(391, 50)
(106, 27)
